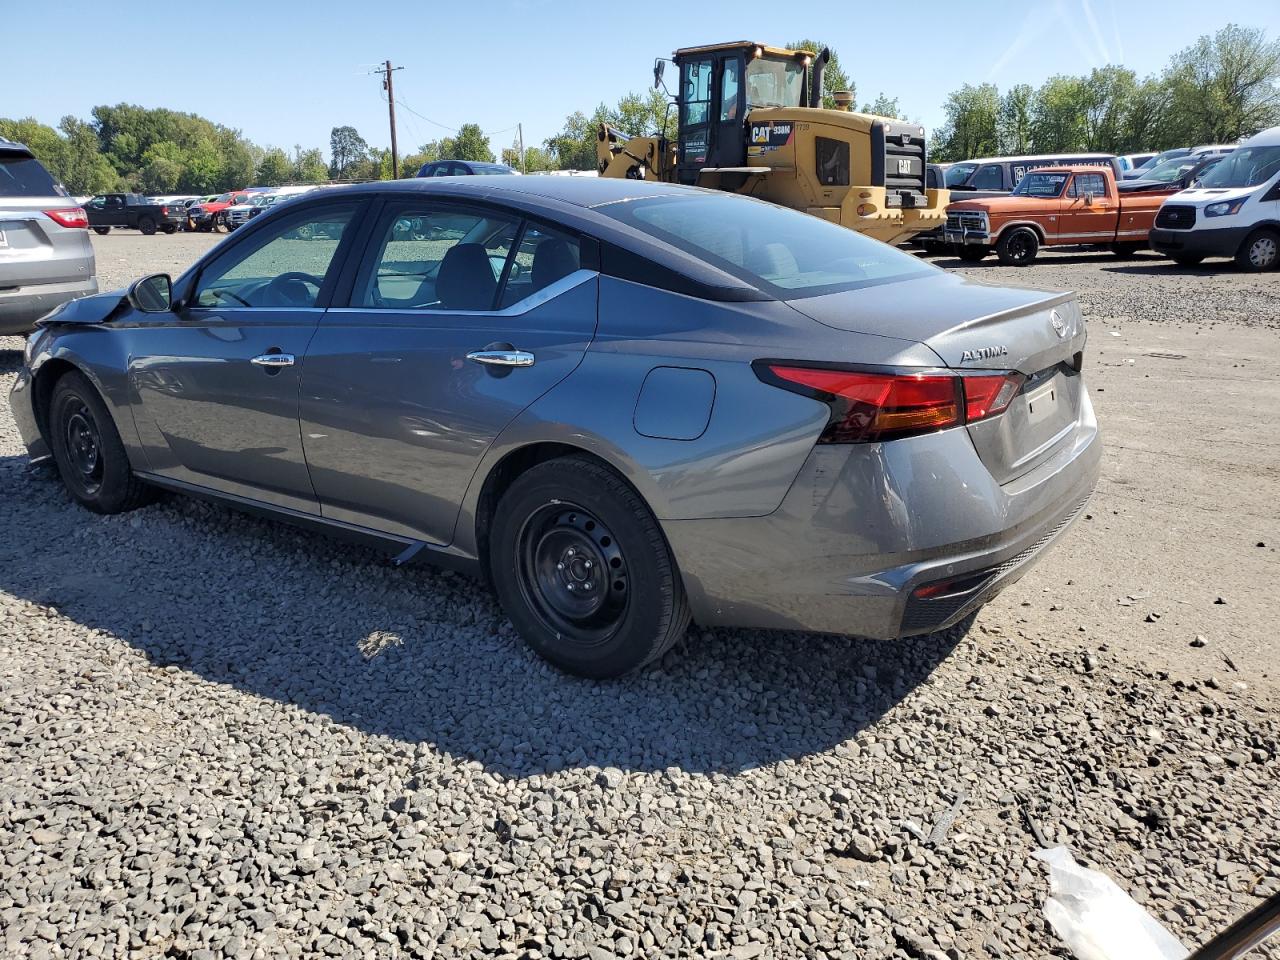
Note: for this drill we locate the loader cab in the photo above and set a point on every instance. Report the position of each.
(719, 86)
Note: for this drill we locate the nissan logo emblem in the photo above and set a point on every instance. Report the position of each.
(1059, 325)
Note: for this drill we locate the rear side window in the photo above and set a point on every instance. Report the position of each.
(833, 161)
(21, 175)
(783, 252)
(543, 257)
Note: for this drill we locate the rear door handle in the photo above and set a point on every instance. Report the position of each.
(501, 358)
(271, 360)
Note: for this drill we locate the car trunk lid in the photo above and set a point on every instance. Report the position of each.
(971, 327)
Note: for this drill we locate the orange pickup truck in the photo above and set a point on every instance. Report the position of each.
(1053, 206)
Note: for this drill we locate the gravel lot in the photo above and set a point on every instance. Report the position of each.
(226, 737)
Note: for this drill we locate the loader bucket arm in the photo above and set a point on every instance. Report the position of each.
(636, 158)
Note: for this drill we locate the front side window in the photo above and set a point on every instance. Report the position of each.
(1091, 183)
(774, 83)
(436, 257)
(1244, 167)
(283, 267)
(784, 252)
(696, 84)
(1041, 185)
(729, 92)
(990, 177)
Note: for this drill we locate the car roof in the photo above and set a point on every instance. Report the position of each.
(578, 191)
(1068, 168)
(1267, 138)
(14, 147)
(1042, 156)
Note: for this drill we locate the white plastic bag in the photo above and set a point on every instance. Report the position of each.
(1098, 920)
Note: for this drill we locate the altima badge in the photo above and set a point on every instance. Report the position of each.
(1059, 325)
(984, 353)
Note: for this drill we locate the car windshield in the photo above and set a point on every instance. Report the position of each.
(774, 83)
(786, 253)
(958, 173)
(1041, 185)
(1169, 171)
(1245, 167)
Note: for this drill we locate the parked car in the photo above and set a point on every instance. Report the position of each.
(135, 212)
(1233, 211)
(239, 214)
(1131, 161)
(1172, 176)
(1162, 157)
(1054, 206)
(210, 213)
(45, 254)
(462, 168)
(526, 399)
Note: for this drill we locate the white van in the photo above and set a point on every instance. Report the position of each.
(1232, 211)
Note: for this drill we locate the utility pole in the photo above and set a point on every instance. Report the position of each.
(520, 139)
(391, 109)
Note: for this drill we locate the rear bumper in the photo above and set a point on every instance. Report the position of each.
(864, 526)
(21, 307)
(1222, 242)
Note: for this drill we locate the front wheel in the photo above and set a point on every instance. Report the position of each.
(973, 254)
(583, 570)
(1018, 248)
(88, 451)
(147, 226)
(169, 228)
(1126, 251)
(1260, 251)
(102, 231)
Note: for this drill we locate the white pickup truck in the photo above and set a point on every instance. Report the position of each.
(1233, 211)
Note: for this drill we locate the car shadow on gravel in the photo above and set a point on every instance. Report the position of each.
(420, 655)
(1167, 268)
(1050, 259)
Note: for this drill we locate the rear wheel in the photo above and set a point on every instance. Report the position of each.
(1260, 251)
(102, 231)
(1018, 248)
(147, 226)
(1187, 259)
(1126, 250)
(88, 451)
(169, 228)
(583, 570)
(972, 254)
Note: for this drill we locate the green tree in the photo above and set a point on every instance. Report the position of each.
(1224, 87)
(1146, 118)
(162, 168)
(273, 169)
(85, 169)
(43, 141)
(1057, 117)
(308, 166)
(883, 106)
(1013, 122)
(536, 159)
(970, 128)
(574, 147)
(426, 153)
(469, 144)
(346, 147)
(1106, 96)
(834, 78)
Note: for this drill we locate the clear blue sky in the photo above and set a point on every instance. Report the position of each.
(286, 74)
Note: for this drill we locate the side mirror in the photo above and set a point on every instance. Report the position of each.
(153, 294)
(1088, 199)
(659, 68)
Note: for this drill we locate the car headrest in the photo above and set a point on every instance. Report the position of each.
(466, 280)
(553, 260)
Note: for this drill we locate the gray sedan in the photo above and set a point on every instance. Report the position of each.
(624, 404)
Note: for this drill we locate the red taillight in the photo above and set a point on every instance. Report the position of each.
(68, 217)
(985, 396)
(868, 406)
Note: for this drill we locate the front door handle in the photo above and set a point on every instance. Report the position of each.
(273, 360)
(501, 358)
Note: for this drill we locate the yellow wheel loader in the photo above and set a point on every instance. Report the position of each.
(750, 120)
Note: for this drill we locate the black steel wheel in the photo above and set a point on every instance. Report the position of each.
(583, 570)
(1018, 247)
(88, 451)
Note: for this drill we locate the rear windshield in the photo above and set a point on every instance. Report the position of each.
(786, 253)
(22, 176)
(484, 169)
(1041, 184)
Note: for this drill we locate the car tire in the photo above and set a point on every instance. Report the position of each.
(556, 528)
(147, 226)
(1127, 250)
(102, 231)
(88, 451)
(1018, 248)
(169, 228)
(1187, 259)
(1260, 251)
(973, 254)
